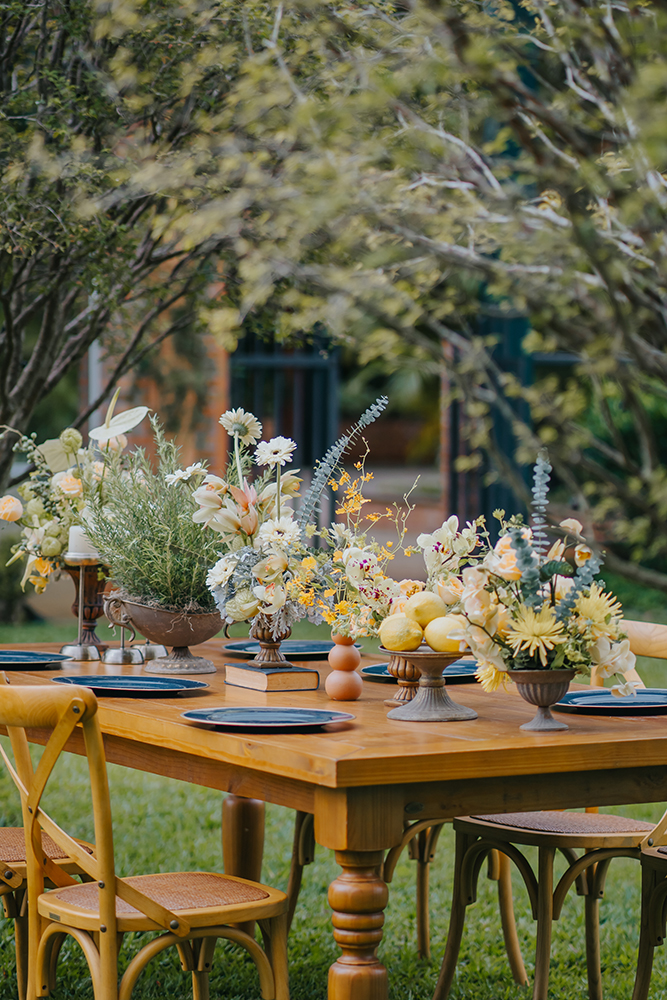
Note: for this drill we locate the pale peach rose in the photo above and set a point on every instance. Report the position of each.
(11, 508)
(116, 444)
(564, 585)
(572, 526)
(398, 606)
(450, 590)
(502, 560)
(70, 486)
(503, 620)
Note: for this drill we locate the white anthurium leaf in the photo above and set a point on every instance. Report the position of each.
(120, 424)
(55, 455)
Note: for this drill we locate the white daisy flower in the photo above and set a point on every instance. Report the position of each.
(174, 477)
(195, 470)
(277, 451)
(279, 531)
(246, 425)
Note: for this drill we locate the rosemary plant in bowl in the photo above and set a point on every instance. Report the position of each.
(157, 555)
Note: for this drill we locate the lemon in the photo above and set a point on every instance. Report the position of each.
(437, 633)
(424, 607)
(398, 632)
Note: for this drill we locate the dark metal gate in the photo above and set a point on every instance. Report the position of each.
(293, 392)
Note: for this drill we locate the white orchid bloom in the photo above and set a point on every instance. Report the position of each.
(273, 597)
(626, 689)
(359, 563)
(612, 657)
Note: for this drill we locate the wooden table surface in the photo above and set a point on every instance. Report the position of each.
(365, 779)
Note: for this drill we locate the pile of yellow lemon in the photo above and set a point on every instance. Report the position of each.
(424, 619)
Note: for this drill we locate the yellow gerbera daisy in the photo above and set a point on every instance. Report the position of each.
(491, 678)
(598, 611)
(535, 632)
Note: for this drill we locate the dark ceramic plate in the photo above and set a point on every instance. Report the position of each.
(297, 649)
(378, 672)
(459, 672)
(267, 720)
(647, 701)
(23, 659)
(132, 686)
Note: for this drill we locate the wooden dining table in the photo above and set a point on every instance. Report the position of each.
(366, 779)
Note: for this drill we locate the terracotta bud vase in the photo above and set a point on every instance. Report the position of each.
(343, 683)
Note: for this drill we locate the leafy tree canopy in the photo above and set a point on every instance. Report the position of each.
(393, 169)
(91, 97)
(389, 170)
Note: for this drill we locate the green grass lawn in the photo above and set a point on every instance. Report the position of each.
(165, 824)
(162, 824)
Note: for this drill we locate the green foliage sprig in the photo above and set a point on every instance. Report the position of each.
(328, 465)
(145, 533)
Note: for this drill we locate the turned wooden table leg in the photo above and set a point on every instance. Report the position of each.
(243, 840)
(357, 897)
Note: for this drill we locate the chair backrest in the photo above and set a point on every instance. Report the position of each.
(62, 710)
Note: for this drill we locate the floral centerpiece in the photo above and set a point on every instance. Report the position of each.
(362, 593)
(527, 607)
(64, 478)
(269, 571)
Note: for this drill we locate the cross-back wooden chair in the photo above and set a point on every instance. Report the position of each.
(653, 920)
(13, 886)
(599, 837)
(192, 909)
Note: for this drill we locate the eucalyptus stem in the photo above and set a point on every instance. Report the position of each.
(237, 456)
(278, 491)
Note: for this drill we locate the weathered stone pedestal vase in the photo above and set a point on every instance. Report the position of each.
(177, 629)
(269, 648)
(543, 688)
(432, 702)
(407, 675)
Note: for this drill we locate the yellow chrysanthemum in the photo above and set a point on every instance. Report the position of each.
(535, 632)
(491, 678)
(599, 611)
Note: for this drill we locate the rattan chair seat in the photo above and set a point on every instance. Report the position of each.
(12, 846)
(566, 823)
(173, 890)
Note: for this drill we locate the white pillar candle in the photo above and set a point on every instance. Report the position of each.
(80, 544)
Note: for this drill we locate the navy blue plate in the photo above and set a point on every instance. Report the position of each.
(600, 701)
(298, 649)
(458, 672)
(24, 659)
(378, 672)
(133, 686)
(266, 719)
